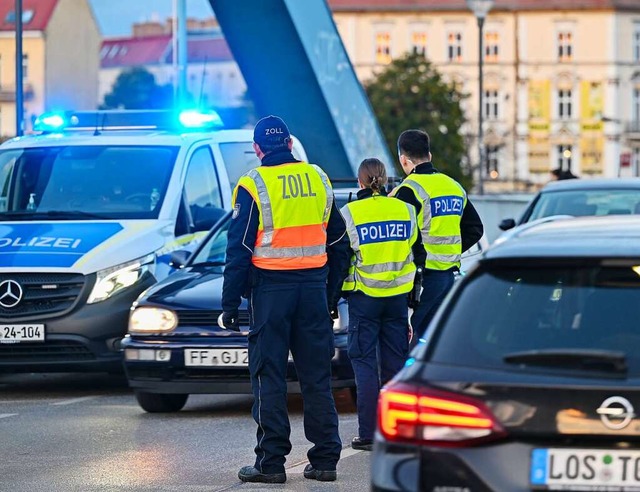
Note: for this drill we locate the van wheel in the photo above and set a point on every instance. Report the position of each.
(159, 402)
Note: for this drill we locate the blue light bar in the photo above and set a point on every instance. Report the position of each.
(50, 122)
(194, 119)
(99, 121)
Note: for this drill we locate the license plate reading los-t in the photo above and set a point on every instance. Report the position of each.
(21, 333)
(587, 469)
(231, 357)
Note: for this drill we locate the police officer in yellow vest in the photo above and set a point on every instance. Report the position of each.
(382, 232)
(288, 250)
(449, 224)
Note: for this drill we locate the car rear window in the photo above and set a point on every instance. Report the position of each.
(508, 310)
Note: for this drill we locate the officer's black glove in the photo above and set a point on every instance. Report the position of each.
(332, 302)
(229, 321)
(413, 299)
(333, 311)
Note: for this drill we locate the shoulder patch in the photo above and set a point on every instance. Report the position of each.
(236, 211)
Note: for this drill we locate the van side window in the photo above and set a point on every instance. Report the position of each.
(202, 191)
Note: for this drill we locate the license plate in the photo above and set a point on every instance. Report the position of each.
(585, 469)
(231, 357)
(21, 333)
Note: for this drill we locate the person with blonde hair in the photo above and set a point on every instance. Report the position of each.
(383, 233)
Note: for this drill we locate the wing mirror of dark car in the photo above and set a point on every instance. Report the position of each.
(507, 224)
(179, 258)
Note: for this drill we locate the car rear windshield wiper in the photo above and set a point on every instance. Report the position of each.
(52, 214)
(593, 360)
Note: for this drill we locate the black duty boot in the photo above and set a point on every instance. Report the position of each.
(252, 474)
(363, 444)
(320, 475)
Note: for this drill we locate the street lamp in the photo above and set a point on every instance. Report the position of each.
(480, 9)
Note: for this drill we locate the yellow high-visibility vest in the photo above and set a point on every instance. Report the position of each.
(381, 231)
(443, 200)
(294, 201)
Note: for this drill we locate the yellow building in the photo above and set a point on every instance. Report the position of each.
(561, 77)
(61, 44)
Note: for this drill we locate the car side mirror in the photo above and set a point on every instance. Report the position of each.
(507, 224)
(179, 258)
(204, 218)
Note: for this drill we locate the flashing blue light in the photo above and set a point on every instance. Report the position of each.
(194, 119)
(50, 122)
(410, 361)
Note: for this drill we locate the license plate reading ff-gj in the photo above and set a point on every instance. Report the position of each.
(234, 357)
(585, 469)
(21, 333)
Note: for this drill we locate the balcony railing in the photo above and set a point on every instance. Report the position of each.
(8, 93)
(633, 126)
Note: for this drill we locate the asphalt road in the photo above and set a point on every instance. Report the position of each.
(64, 432)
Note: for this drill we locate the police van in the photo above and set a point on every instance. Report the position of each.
(91, 209)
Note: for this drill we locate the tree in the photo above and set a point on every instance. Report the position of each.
(410, 93)
(136, 88)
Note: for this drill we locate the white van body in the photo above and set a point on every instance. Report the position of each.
(89, 219)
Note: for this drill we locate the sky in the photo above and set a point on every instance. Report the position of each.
(115, 17)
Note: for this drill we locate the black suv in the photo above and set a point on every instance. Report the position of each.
(529, 376)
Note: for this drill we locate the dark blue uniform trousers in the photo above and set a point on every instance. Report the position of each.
(377, 326)
(436, 284)
(292, 316)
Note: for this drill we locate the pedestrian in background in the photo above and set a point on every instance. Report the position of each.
(382, 233)
(288, 248)
(559, 174)
(449, 224)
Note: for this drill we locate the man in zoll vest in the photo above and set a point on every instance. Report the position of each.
(287, 246)
(449, 224)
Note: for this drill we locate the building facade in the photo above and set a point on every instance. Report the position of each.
(213, 77)
(60, 63)
(561, 77)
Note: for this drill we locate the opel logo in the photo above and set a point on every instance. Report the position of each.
(615, 412)
(10, 293)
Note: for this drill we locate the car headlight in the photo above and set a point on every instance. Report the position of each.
(148, 319)
(119, 277)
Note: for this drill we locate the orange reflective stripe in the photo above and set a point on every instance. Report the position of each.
(290, 263)
(310, 235)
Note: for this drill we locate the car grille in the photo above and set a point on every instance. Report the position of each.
(44, 294)
(45, 352)
(207, 318)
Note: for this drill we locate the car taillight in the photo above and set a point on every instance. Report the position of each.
(434, 417)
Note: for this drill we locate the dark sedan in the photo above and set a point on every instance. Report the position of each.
(529, 376)
(175, 347)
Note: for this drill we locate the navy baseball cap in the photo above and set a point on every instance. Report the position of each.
(271, 133)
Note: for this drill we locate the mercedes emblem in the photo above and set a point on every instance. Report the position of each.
(10, 293)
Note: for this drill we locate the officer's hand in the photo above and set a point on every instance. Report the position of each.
(229, 321)
(411, 302)
(333, 310)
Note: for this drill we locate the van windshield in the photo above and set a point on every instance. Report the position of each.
(84, 182)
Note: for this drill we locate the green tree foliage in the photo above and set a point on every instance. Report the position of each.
(410, 93)
(136, 88)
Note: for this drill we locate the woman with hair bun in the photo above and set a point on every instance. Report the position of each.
(384, 235)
